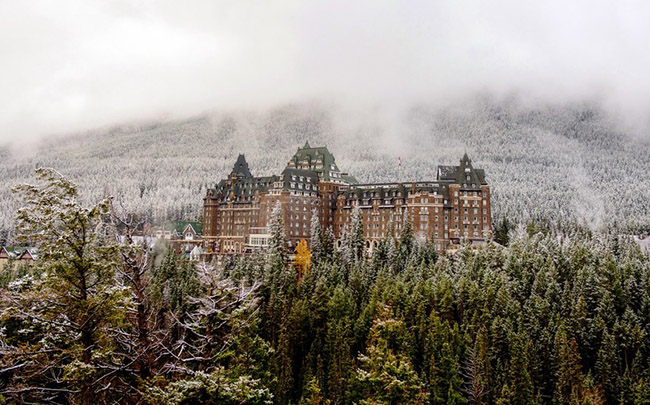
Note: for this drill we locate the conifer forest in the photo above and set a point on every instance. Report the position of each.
(535, 316)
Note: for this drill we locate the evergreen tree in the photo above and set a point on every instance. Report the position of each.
(327, 249)
(502, 231)
(316, 245)
(281, 278)
(570, 380)
(357, 240)
(278, 244)
(385, 374)
(64, 311)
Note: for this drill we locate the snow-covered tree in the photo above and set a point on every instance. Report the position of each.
(64, 311)
(316, 237)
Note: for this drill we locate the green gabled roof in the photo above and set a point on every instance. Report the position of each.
(179, 226)
(318, 159)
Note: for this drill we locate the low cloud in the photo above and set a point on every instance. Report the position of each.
(74, 65)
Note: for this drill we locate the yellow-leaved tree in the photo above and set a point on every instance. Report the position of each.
(303, 259)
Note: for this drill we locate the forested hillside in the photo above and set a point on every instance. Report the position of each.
(558, 163)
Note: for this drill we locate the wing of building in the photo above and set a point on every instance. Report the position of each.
(453, 207)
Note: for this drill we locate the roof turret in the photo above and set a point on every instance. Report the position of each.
(241, 167)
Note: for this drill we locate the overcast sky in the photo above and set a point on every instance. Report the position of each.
(75, 65)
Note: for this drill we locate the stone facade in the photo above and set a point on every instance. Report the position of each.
(453, 207)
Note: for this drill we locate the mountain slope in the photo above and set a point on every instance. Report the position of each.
(560, 163)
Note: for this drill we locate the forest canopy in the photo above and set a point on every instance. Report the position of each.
(541, 318)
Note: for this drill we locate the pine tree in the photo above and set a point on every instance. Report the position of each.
(357, 241)
(352, 241)
(278, 245)
(315, 244)
(519, 377)
(406, 244)
(281, 277)
(313, 394)
(328, 245)
(70, 304)
(385, 374)
(607, 365)
(570, 380)
(501, 232)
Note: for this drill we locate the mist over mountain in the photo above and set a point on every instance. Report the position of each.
(558, 163)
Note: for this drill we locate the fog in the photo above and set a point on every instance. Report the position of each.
(69, 66)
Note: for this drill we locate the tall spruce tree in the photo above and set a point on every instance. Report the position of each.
(316, 234)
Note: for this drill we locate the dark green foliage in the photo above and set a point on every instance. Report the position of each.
(501, 232)
(537, 318)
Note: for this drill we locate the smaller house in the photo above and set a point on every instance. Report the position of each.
(19, 255)
(184, 236)
(26, 256)
(4, 257)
